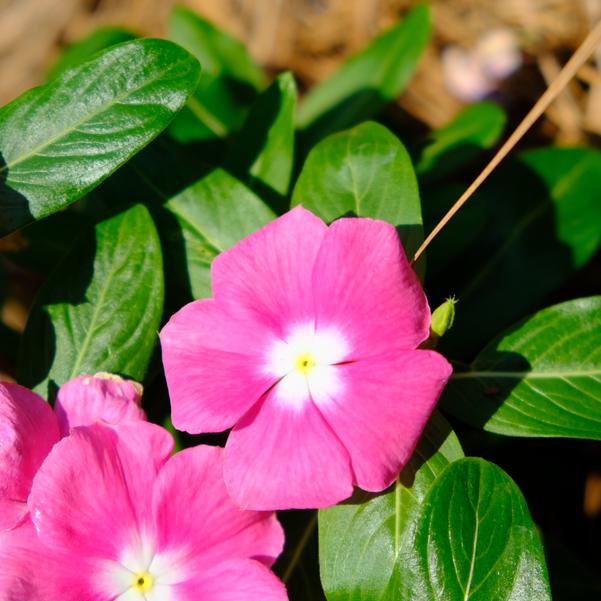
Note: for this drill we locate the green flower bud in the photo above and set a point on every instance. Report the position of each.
(442, 318)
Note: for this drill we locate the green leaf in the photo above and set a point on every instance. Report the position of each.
(542, 224)
(264, 148)
(362, 541)
(61, 140)
(366, 172)
(83, 49)
(475, 540)
(540, 378)
(213, 214)
(228, 84)
(368, 81)
(101, 308)
(450, 148)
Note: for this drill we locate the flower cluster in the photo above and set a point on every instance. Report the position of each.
(93, 507)
(308, 352)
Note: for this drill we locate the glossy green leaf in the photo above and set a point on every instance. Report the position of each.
(229, 81)
(100, 310)
(368, 81)
(264, 148)
(541, 378)
(213, 214)
(362, 541)
(83, 49)
(59, 141)
(453, 146)
(366, 172)
(475, 540)
(542, 216)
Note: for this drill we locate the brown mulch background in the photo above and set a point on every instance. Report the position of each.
(311, 37)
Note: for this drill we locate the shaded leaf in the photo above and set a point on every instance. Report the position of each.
(81, 50)
(541, 378)
(229, 81)
(214, 213)
(367, 81)
(542, 224)
(264, 148)
(361, 541)
(100, 310)
(61, 140)
(455, 145)
(366, 172)
(475, 540)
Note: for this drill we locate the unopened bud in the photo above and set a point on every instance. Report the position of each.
(443, 318)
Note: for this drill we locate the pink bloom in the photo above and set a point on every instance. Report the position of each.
(308, 351)
(29, 429)
(131, 524)
(106, 397)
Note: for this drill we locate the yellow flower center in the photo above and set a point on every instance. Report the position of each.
(143, 582)
(304, 363)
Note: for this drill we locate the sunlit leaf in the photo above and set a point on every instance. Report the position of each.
(59, 141)
(541, 378)
(362, 541)
(475, 541)
(366, 172)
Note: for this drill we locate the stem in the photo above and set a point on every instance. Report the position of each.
(300, 547)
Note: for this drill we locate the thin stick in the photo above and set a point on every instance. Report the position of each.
(578, 59)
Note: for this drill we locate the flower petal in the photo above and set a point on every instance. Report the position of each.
(266, 277)
(366, 290)
(91, 496)
(28, 430)
(102, 397)
(284, 456)
(235, 580)
(27, 573)
(201, 516)
(383, 410)
(213, 367)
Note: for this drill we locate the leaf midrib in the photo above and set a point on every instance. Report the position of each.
(103, 108)
(514, 375)
(92, 326)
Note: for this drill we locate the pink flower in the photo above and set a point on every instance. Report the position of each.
(128, 523)
(29, 429)
(308, 350)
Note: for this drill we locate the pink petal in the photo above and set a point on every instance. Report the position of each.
(212, 366)
(102, 397)
(28, 430)
(235, 580)
(383, 410)
(366, 290)
(193, 510)
(32, 572)
(284, 457)
(91, 497)
(266, 277)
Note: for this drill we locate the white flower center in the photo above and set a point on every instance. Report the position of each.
(305, 363)
(142, 575)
